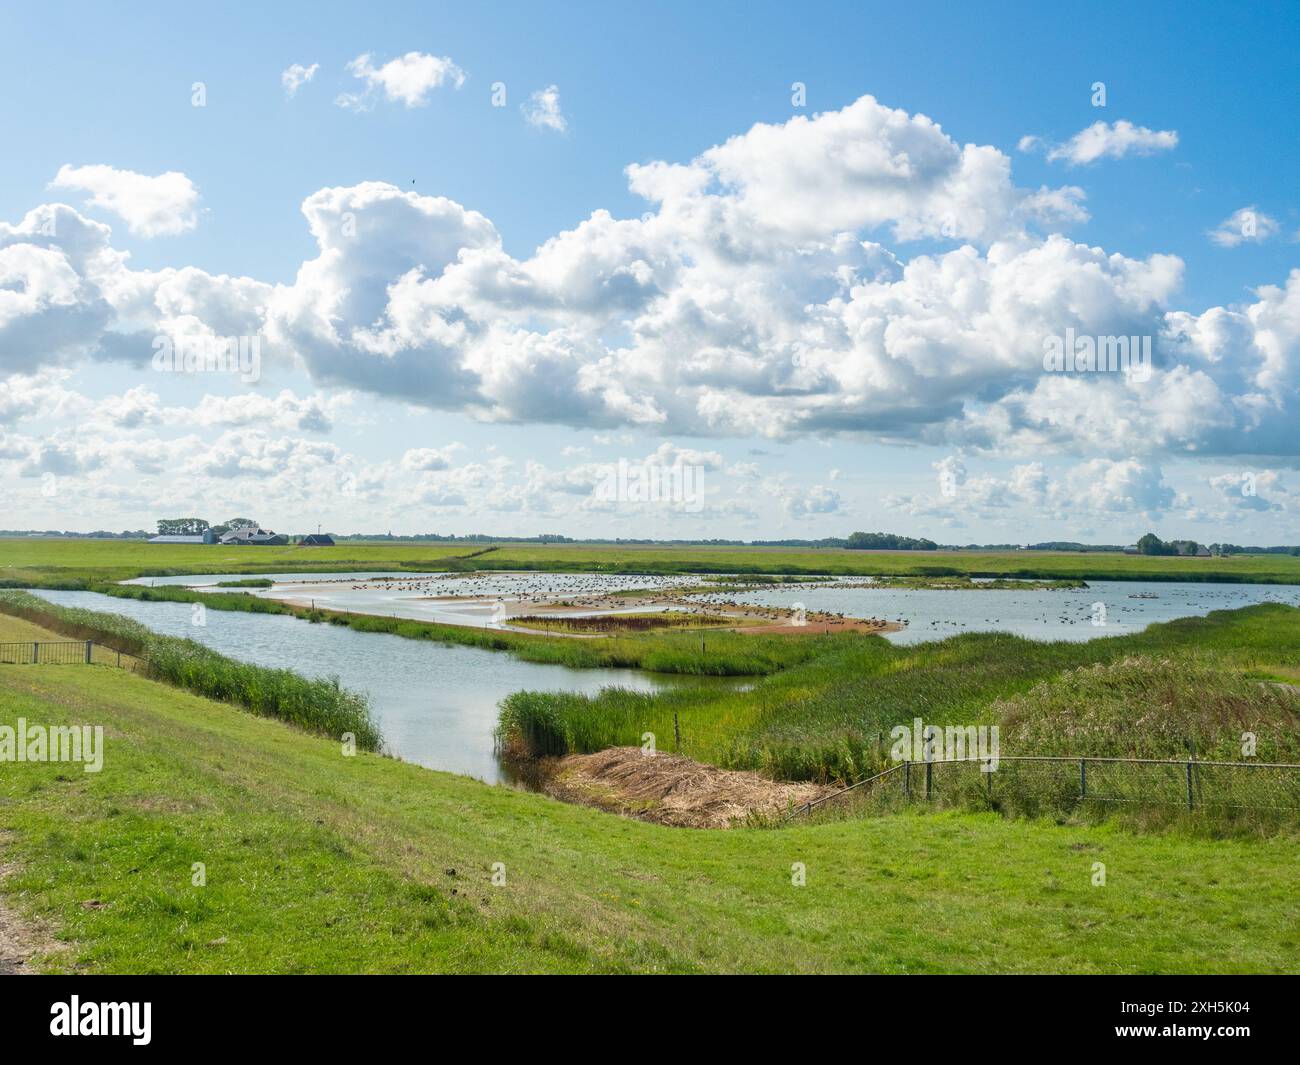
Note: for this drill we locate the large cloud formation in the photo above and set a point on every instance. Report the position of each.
(756, 295)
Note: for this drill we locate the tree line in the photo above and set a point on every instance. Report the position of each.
(198, 526)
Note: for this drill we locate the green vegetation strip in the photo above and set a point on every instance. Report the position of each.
(74, 563)
(316, 705)
(619, 623)
(1192, 684)
(313, 862)
(968, 584)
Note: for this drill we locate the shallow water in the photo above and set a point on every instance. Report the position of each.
(930, 614)
(436, 704)
(416, 595)
(1038, 615)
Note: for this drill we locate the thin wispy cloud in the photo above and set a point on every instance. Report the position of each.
(543, 111)
(1246, 225)
(296, 76)
(1104, 140)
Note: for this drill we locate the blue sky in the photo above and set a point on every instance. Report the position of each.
(885, 437)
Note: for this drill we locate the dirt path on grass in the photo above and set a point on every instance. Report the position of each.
(20, 940)
(669, 789)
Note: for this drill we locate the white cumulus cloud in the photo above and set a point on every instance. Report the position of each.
(408, 79)
(161, 206)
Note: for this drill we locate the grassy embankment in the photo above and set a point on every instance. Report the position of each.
(1195, 683)
(315, 862)
(316, 705)
(71, 563)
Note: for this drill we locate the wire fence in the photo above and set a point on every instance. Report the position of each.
(1045, 782)
(65, 652)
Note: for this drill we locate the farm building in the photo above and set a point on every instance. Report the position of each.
(250, 536)
(207, 538)
(317, 540)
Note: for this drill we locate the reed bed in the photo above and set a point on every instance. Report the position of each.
(1197, 682)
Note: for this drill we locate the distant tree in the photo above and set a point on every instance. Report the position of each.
(862, 541)
(1151, 544)
(181, 526)
(234, 523)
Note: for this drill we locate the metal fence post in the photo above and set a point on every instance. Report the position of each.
(907, 778)
(89, 645)
(929, 779)
(1083, 778)
(677, 734)
(36, 653)
(1189, 784)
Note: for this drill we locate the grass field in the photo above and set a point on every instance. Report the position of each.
(319, 863)
(53, 561)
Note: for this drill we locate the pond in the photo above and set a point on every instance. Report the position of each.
(1126, 606)
(436, 704)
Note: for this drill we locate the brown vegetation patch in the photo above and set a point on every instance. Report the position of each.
(670, 789)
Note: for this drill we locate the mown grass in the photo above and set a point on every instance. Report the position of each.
(829, 719)
(318, 705)
(72, 563)
(315, 862)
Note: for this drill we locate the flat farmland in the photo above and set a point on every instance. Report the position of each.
(41, 561)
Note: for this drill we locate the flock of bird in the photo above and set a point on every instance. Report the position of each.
(593, 591)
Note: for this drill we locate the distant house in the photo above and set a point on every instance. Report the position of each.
(317, 540)
(251, 536)
(208, 537)
(1131, 550)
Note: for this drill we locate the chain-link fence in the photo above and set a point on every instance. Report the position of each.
(1035, 783)
(64, 652)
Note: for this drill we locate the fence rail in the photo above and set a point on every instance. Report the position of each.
(1056, 781)
(64, 652)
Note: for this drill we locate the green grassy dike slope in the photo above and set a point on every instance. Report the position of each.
(317, 862)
